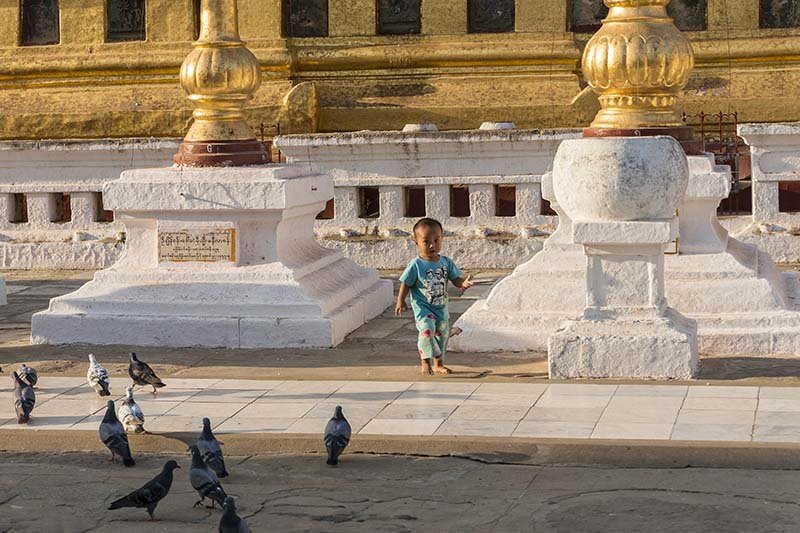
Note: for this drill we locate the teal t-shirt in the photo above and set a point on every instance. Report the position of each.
(428, 283)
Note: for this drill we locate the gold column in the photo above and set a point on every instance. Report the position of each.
(220, 75)
(639, 63)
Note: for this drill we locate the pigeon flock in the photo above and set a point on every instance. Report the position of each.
(208, 462)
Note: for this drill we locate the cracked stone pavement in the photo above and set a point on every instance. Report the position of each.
(377, 493)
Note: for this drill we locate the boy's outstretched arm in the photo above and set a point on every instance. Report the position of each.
(401, 300)
(464, 283)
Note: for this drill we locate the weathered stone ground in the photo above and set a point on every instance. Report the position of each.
(383, 350)
(70, 493)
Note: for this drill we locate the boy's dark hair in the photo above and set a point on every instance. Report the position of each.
(427, 223)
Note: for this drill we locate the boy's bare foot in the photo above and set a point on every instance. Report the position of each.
(439, 368)
(426, 367)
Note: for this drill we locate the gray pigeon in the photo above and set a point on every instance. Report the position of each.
(28, 375)
(141, 374)
(97, 376)
(230, 521)
(24, 399)
(211, 451)
(150, 493)
(204, 481)
(337, 436)
(114, 437)
(130, 414)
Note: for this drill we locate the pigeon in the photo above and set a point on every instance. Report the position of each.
(142, 374)
(114, 437)
(204, 481)
(210, 450)
(130, 414)
(28, 375)
(337, 436)
(98, 377)
(230, 521)
(150, 493)
(24, 399)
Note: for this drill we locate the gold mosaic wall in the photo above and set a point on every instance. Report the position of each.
(85, 87)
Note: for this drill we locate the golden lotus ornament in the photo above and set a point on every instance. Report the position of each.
(638, 62)
(220, 75)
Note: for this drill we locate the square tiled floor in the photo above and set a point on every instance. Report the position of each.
(541, 410)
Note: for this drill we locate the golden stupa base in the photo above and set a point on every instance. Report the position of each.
(221, 153)
(682, 134)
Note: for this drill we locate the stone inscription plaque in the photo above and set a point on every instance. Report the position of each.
(208, 246)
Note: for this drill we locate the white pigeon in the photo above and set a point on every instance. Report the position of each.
(130, 414)
(98, 377)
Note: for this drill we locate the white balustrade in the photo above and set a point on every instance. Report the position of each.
(51, 206)
(461, 175)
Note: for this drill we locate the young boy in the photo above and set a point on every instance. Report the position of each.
(426, 278)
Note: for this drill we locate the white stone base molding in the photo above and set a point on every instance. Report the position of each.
(221, 257)
(648, 348)
(742, 303)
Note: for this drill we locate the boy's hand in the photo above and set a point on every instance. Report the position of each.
(399, 308)
(467, 283)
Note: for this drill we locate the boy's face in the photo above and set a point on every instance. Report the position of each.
(428, 241)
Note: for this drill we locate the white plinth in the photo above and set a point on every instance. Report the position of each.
(279, 288)
(649, 348)
(742, 303)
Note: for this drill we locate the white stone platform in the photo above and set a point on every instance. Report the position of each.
(669, 412)
(274, 285)
(742, 303)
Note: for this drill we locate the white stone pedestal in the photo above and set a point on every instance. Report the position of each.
(218, 257)
(626, 329)
(742, 303)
